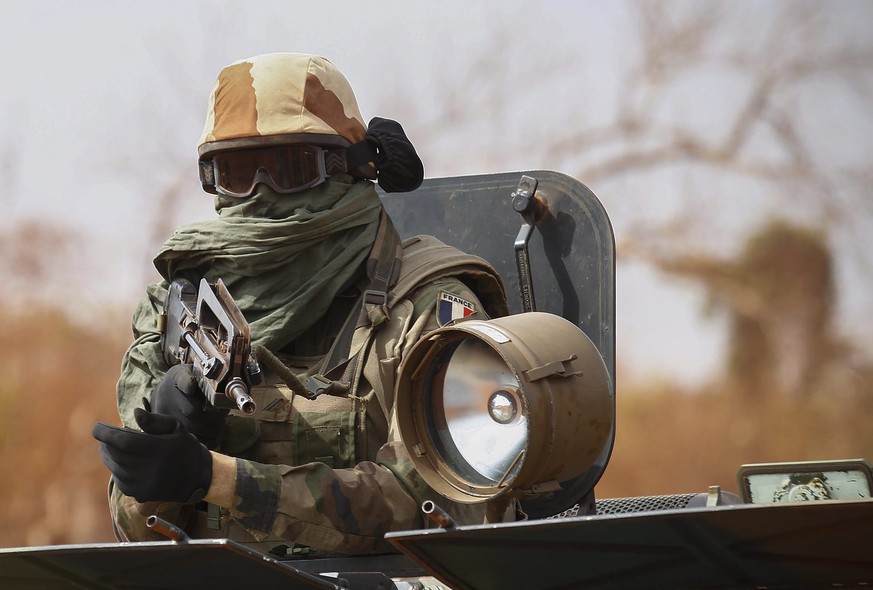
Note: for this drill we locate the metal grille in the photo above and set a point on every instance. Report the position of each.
(643, 503)
(635, 504)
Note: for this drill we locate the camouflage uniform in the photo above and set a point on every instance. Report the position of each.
(328, 473)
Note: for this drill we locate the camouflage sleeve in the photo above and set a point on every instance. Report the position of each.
(349, 510)
(142, 367)
(338, 510)
(143, 364)
(334, 510)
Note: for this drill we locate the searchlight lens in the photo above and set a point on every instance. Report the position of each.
(474, 408)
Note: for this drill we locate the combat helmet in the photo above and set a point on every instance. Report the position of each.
(286, 119)
(291, 120)
(275, 98)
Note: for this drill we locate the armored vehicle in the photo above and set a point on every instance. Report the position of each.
(522, 409)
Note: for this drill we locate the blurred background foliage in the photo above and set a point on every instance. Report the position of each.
(731, 149)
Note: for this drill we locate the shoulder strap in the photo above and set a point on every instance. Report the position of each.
(383, 268)
(395, 270)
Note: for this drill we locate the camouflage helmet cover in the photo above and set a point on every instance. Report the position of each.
(272, 97)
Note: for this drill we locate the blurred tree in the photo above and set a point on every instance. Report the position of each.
(802, 56)
(780, 290)
(779, 296)
(36, 260)
(782, 339)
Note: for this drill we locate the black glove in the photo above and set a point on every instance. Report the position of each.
(163, 463)
(400, 168)
(179, 396)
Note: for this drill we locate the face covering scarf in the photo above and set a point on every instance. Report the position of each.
(282, 257)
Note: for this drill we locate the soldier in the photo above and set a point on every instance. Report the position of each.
(305, 248)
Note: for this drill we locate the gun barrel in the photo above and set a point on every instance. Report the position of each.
(237, 391)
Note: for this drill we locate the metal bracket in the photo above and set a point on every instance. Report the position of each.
(525, 202)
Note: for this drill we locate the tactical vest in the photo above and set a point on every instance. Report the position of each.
(343, 416)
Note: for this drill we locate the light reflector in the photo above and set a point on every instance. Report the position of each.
(474, 409)
(515, 405)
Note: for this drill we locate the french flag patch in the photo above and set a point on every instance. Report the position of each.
(451, 307)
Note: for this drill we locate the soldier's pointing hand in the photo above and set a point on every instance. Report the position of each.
(163, 463)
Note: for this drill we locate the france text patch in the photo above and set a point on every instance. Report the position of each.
(451, 307)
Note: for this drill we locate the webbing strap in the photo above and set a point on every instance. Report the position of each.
(423, 258)
(383, 269)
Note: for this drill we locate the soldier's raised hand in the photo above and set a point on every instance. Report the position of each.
(179, 396)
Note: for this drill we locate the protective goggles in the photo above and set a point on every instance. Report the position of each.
(285, 168)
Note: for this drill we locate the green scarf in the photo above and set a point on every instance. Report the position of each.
(283, 258)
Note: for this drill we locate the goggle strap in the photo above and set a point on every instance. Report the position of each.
(360, 160)
(207, 172)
